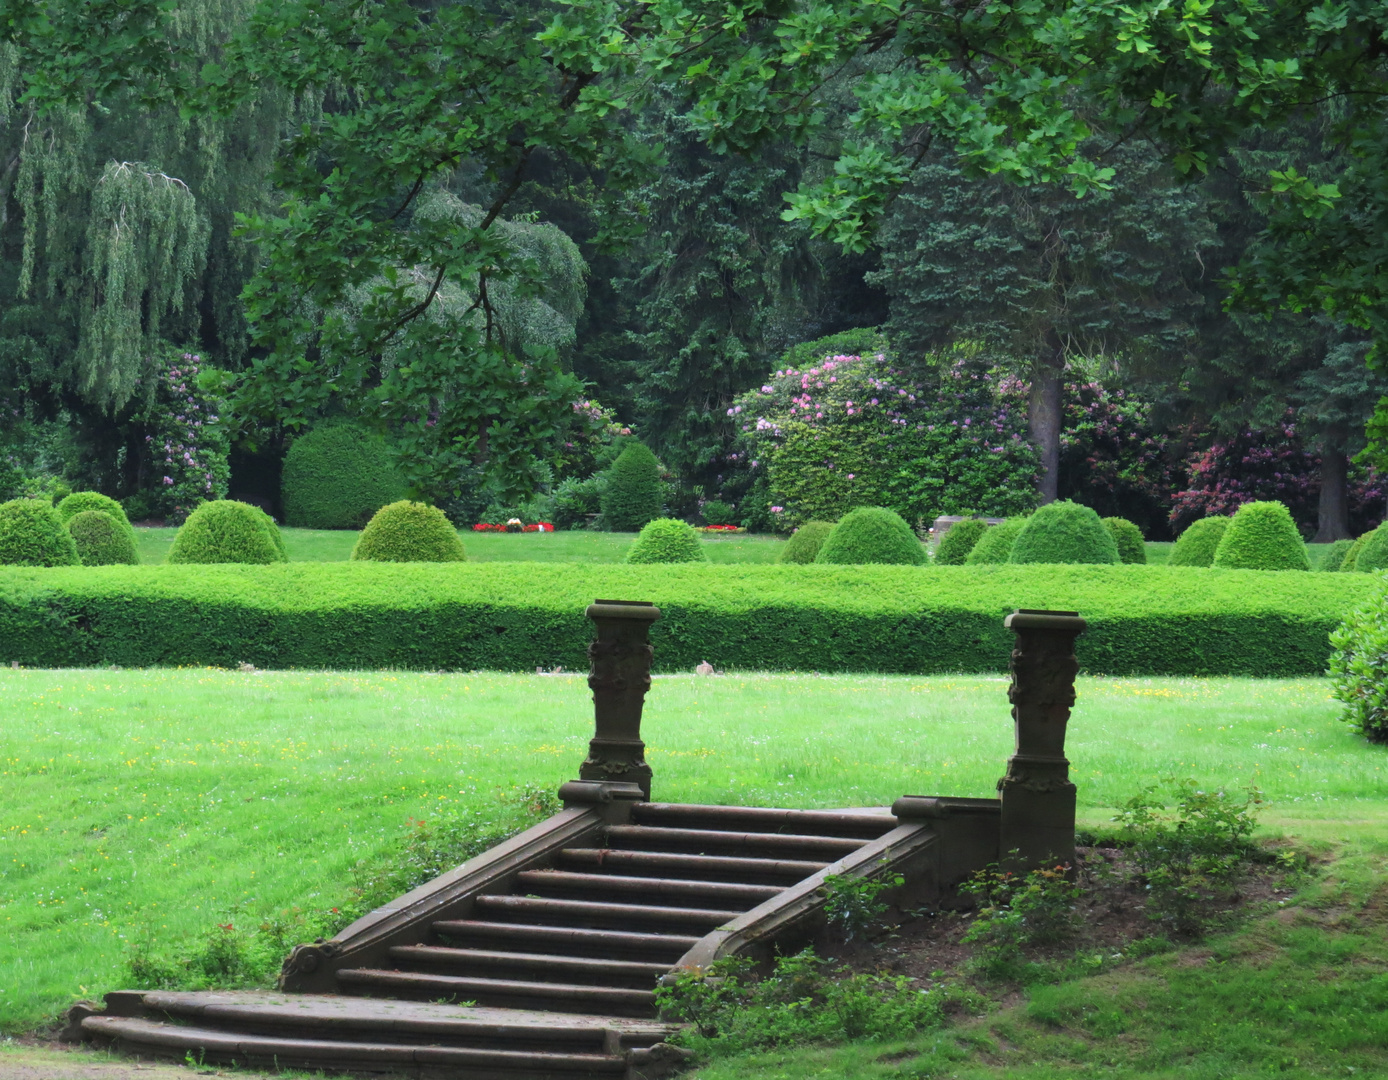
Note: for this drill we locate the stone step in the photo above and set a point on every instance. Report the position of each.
(855, 824)
(568, 940)
(720, 842)
(502, 993)
(777, 872)
(650, 890)
(489, 962)
(599, 915)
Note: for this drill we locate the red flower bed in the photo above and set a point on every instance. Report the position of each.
(539, 526)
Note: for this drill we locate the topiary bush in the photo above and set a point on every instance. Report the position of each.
(227, 531)
(1374, 554)
(1064, 532)
(1128, 538)
(1262, 536)
(408, 531)
(1196, 546)
(32, 534)
(634, 494)
(1351, 559)
(995, 545)
(871, 534)
(1333, 557)
(336, 477)
(958, 541)
(805, 542)
(80, 502)
(666, 540)
(102, 541)
(1359, 667)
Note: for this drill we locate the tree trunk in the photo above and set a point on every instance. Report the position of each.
(1044, 417)
(1333, 523)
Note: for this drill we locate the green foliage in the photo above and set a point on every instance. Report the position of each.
(575, 500)
(80, 501)
(101, 541)
(958, 541)
(871, 534)
(1128, 539)
(408, 531)
(1196, 546)
(32, 534)
(1064, 532)
(804, 544)
(1143, 620)
(667, 540)
(227, 531)
(1333, 557)
(854, 905)
(1016, 910)
(634, 493)
(1191, 855)
(717, 512)
(1359, 667)
(1351, 560)
(1374, 554)
(995, 545)
(336, 477)
(1262, 536)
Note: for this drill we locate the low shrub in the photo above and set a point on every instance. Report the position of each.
(1359, 668)
(1016, 910)
(958, 541)
(1333, 557)
(80, 502)
(805, 542)
(1351, 560)
(1196, 546)
(1128, 539)
(634, 493)
(409, 532)
(1064, 532)
(1262, 536)
(578, 503)
(1374, 554)
(666, 540)
(101, 540)
(871, 534)
(336, 477)
(717, 512)
(227, 531)
(32, 534)
(994, 547)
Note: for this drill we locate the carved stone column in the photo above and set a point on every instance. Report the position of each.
(1038, 800)
(619, 678)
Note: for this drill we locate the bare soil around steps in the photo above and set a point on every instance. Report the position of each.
(41, 1059)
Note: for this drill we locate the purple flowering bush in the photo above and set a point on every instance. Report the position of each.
(187, 440)
(854, 431)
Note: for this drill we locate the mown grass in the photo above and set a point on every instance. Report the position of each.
(136, 803)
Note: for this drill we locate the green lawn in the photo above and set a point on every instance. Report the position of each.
(153, 800)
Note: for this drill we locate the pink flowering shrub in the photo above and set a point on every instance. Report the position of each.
(187, 441)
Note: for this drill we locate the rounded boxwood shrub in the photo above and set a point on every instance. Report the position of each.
(871, 534)
(1262, 536)
(1350, 562)
(634, 494)
(1374, 554)
(958, 541)
(1128, 538)
(995, 545)
(805, 542)
(408, 531)
(1359, 668)
(101, 540)
(666, 540)
(336, 477)
(81, 502)
(227, 531)
(1196, 546)
(1334, 556)
(1064, 532)
(32, 534)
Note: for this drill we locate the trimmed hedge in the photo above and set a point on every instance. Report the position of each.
(101, 540)
(1196, 546)
(805, 542)
(1374, 554)
(32, 534)
(959, 539)
(995, 546)
(872, 535)
(1262, 536)
(1334, 556)
(227, 531)
(1351, 561)
(666, 540)
(336, 477)
(1128, 539)
(1064, 532)
(1143, 620)
(79, 502)
(408, 531)
(634, 494)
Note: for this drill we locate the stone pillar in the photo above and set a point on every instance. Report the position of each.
(1038, 800)
(619, 678)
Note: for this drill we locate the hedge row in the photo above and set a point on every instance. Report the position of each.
(519, 616)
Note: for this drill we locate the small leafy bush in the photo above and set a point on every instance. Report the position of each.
(80, 502)
(1351, 560)
(1128, 538)
(101, 541)
(1262, 536)
(871, 534)
(717, 512)
(805, 542)
(227, 531)
(955, 545)
(336, 477)
(1333, 557)
(409, 532)
(1374, 554)
(1359, 668)
(578, 502)
(995, 546)
(1016, 910)
(854, 904)
(32, 534)
(634, 494)
(1196, 546)
(1064, 532)
(666, 540)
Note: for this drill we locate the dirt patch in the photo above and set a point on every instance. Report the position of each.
(35, 1060)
